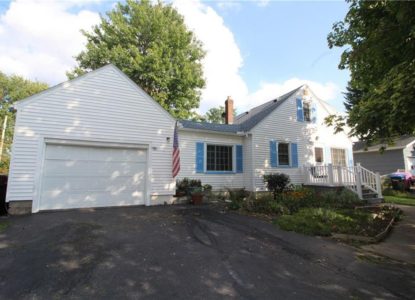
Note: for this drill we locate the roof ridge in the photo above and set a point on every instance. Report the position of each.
(268, 102)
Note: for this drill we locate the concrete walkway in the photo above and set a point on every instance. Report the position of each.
(400, 244)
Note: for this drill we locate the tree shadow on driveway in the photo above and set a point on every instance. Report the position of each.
(181, 252)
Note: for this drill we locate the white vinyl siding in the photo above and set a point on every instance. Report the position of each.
(102, 106)
(187, 144)
(282, 125)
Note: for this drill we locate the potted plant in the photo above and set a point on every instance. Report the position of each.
(195, 191)
(197, 195)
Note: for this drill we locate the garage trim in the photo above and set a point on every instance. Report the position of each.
(44, 141)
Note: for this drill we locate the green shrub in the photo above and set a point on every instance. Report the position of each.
(207, 188)
(339, 199)
(188, 186)
(263, 203)
(276, 183)
(401, 194)
(297, 198)
(182, 186)
(237, 196)
(324, 221)
(318, 221)
(195, 183)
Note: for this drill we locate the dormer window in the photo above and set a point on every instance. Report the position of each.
(307, 111)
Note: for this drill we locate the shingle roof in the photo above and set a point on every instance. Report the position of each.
(231, 128)
(249, 119)
(245, 121)
(401, 142)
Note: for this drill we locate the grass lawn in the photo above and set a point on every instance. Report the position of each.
(400, 200)
(3, 225)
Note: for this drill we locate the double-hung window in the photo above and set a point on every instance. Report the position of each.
(284, 154)
(338, 157)
(219, 158)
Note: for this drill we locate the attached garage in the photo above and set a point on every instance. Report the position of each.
(78, 176)
(95, 141)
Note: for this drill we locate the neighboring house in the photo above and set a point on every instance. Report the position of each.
(399, 155)
(100, 140)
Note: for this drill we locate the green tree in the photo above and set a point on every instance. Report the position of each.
(378, 38)
(216, 115)
(151, 44)
(12, 89)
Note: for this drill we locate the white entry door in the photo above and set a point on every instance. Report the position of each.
(85, 176)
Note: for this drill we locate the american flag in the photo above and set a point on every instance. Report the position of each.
(176, 153)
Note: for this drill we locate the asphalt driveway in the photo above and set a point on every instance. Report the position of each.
(182, 252)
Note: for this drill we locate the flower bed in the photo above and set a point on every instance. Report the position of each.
(339, 214)
(341, 223)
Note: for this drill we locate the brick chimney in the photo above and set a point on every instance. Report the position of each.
(229, 110)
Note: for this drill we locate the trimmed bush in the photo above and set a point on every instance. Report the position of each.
(276, 183)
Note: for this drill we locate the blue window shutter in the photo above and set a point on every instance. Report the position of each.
(327, 155)
(239, 159)
(314, 113)
(350, 157)
(294, 155)
(200, 157)
(273, 153)
(300, 114)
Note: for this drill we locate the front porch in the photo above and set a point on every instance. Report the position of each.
(365, 183)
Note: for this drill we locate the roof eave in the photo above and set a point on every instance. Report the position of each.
(238, 133)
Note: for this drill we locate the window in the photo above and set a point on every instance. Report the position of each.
(284, 154)
(307, 111)
(338, 157)
(219, 158)
(318, 154)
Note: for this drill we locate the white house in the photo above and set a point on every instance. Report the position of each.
(100, 140)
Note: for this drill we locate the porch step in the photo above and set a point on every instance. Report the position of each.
(375, 200)
(369, 195)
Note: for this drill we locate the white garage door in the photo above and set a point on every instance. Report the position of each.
(79, 176)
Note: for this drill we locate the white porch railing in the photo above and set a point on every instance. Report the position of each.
(355, 178)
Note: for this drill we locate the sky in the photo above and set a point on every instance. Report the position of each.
(256, 50)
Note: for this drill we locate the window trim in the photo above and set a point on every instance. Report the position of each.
(289, 155)
(233, 171)
(345, 155)
(323, 155)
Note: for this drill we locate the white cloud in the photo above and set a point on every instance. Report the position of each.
(228, 5)
(38, 39)
(223, 59)
(263, 3)
(326, 91)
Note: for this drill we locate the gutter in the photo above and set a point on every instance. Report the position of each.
(239, 133)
